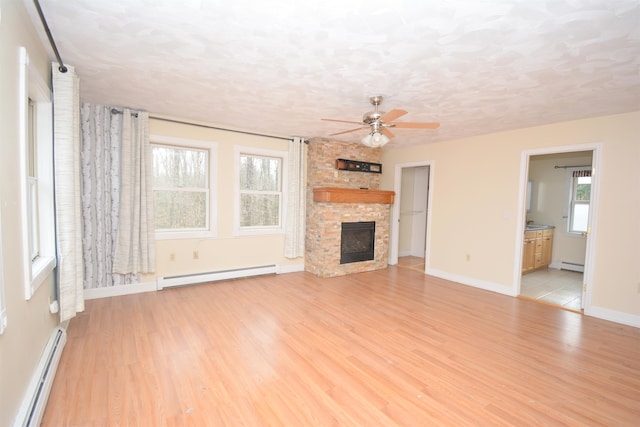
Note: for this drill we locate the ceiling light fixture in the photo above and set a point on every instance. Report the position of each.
(375, 139)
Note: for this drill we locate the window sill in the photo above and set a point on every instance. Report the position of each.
(177, 235)
(248, 232)
(41, 268)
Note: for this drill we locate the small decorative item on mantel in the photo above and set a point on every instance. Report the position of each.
(357, 166)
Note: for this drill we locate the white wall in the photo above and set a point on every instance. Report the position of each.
(225, 251)
(29, 322)
(477, 208)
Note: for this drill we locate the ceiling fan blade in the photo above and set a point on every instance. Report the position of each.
(414, 125)
(387, 132)
(346, 131)
(341, 121)
(392, 115)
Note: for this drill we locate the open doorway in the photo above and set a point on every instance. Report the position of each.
(410, 216)
(557, 227)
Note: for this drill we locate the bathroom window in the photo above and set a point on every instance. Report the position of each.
(580, 199)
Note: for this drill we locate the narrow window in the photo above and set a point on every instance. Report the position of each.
(32, 181)
(260, 191)
(579, 201)
(36, 163)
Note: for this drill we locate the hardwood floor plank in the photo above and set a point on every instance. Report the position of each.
(383, 348)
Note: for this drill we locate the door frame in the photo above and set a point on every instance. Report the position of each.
(596, 149)
(394, 239)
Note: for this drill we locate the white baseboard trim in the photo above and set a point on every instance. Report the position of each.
(613, 316)
(404, 253)
(137, 288)
(290, 268)
(115, 291)
(35, 399)
(470, 281)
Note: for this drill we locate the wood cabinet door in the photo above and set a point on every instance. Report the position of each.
(547, 245)
(528, 254)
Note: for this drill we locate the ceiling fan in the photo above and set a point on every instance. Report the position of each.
(379, 123)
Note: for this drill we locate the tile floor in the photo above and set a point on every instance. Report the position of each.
(553, 286)
(550, 286)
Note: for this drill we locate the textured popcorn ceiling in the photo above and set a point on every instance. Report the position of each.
(278, 66)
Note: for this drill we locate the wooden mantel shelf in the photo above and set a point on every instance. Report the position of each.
(352, 195)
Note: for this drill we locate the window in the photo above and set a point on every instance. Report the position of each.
(580, 197)
(36, 149)
(183, 187)
(260, 177)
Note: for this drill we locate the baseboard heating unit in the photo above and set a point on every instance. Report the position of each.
(213, 276)
(572, 266)
(35, 400)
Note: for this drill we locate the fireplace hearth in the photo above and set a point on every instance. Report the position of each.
(357, 241)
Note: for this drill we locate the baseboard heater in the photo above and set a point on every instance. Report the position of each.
(571, 266)
(35, 401)
(213, 276)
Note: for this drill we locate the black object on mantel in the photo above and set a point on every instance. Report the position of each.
(357, 166)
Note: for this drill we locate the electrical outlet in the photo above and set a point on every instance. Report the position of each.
(172, 256)
(196, 255)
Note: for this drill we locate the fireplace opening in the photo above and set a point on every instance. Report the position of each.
(357, 241)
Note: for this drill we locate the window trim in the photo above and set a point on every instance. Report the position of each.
(3, 304)
(33, 87)
(259, 230)
(212, 213)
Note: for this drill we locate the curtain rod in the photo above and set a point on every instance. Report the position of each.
(567, 167)
(116, 111)
(61, 67)
(223, 129)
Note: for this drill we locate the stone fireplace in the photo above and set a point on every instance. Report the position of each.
(336, 197)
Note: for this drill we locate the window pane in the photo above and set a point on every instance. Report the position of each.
(179, 167)
(583, 189)
(580, 217)
(180, 209)
(259, 210)
(259, 173)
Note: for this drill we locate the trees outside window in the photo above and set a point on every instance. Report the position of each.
(183, 188)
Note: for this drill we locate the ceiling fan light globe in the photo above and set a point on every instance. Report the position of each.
(375, 140)
(378, 139)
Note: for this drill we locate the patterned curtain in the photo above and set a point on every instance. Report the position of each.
(101, 148)
(296, 200)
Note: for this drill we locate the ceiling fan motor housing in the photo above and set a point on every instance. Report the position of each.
(372, 117)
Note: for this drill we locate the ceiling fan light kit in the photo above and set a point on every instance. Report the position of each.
(379, 124)
(375, 140)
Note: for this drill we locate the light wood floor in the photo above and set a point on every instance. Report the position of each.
(385, 348)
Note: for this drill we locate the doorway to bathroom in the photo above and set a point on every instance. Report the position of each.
(558, 227)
